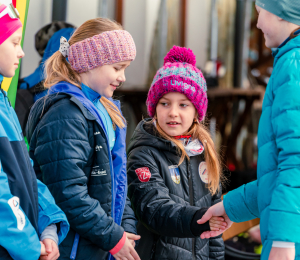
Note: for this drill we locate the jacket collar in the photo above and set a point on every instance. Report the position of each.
(89, 93)
(289, 44)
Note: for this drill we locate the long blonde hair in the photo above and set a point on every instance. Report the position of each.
(58, 69)
(199, 131)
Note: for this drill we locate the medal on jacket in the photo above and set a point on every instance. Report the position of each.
(175, 175)
(203, 172)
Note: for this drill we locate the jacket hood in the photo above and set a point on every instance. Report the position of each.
(42, 106)
(38, 110)
(145, 134)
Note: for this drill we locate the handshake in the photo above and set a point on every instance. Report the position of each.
(218, 221)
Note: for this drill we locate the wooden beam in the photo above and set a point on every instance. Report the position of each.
(119, 11)
(183, 22)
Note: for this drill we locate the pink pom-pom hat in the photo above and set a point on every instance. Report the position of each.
(179, 74)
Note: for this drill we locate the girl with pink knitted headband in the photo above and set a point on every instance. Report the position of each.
(77, 139)
(173, 168)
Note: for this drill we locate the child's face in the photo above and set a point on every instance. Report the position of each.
(10, 54)
(273, 27)
(175, 113)
(105, 79)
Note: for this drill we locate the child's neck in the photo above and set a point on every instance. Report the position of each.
(294, 33)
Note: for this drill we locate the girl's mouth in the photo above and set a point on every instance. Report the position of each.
(173, 124)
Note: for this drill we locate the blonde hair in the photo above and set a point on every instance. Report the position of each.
(58, 69)
(199, 131)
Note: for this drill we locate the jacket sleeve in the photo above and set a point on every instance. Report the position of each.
(129, 221)
(241, 204)
(216, 244)
(50, 213)
(285, 203)
(18, 236)
(62, 152)
(151, 200)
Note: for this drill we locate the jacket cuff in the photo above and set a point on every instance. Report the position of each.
(198, 229)
(283, 244)
(118, 246)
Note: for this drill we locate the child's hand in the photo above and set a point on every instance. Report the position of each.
(43, 249)
(127, 252)
(217, 224)
(132, 238)
(52, 251)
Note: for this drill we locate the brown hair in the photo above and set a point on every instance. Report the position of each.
(199, 131)
(58, 69)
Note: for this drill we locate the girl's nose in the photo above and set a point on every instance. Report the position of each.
(21, 53)
(122, 77)
(173, 111)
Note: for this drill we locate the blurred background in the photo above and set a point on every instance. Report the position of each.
(229, 49)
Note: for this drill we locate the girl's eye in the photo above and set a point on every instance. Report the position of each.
(117, 69)
(183, 105)
(164, 104)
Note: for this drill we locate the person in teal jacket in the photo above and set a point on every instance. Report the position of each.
(31, 224)
(275, 196)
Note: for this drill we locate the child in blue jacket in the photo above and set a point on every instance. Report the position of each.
(77, 141)
(29, 216)
(274, 197)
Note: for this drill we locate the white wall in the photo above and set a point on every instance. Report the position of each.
(78, 13)
(197, 29)
(39, 14)
(139, 18)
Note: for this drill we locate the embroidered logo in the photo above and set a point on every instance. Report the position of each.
(97, 133)
(175, 175)
(203, 172)
(96, 172)
(143, 174)
(14, 203)
(98, 148)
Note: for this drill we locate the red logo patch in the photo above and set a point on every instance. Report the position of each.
(143, 173)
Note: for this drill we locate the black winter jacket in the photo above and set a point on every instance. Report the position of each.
(165, 209)
(67, 145)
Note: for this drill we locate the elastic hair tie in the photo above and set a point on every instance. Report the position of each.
(64, 46)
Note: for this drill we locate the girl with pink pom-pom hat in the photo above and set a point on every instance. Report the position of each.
(174, 173)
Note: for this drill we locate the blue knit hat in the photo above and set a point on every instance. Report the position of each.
(288, 10)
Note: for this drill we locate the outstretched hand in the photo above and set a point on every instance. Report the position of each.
(214, 211)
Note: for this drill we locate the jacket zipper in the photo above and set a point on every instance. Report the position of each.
(191, 193)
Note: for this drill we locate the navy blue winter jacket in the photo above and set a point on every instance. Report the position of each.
(71, 156)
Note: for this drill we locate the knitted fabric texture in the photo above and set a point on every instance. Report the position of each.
(103, 49)
(286, 9)
(8, 25)
(179, 74)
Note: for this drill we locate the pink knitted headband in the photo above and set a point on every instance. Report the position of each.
(105, 48)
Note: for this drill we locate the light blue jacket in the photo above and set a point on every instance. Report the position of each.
(26, 205)
(275, 196)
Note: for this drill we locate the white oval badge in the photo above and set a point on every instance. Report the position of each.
(203, 172)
